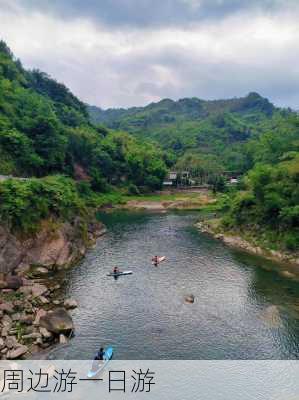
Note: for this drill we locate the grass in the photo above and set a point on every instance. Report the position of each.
(158, 197)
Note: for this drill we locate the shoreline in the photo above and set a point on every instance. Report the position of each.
(288, 263)
(34, 312)
(170, 201)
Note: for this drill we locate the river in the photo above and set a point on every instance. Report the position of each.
(243, 308)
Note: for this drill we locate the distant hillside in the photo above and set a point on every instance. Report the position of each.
(192, 124)
(168, 111)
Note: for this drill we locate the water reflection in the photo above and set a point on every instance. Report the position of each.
(240, 310)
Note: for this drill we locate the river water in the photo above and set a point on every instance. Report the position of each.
(243, 308)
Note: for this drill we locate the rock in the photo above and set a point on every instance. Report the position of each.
(189, 299)
(18, 304)
(38, 341)
(29, 329)
(11, 342)
(2, 284)
(22, 269)
(33, 335)
(43, 300)
(56, 302)
(4, 331)
(62, 339)
(6, 321)
(17, 353)
(26, 290)
(41, 271)
(288, 274)
(70, 304)
(7, 290)
(40, 313)
(1, 313)
(271, 316)
(48, 248)
(57, 321)
(38, 290)
(13, 282)
(45, 333)
(2, 344)
(16, 317)
(27, 319)
(4, 350)
(7, 308)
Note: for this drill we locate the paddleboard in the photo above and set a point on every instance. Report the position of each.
(160, 259)
(101, 364)
(120, 273)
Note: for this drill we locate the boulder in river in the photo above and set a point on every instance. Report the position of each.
(57, 321)
(62, 339)
(70, 304)
(45, 333)
(189, 299)
(271, 316)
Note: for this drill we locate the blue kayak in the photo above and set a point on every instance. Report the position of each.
(99, 366)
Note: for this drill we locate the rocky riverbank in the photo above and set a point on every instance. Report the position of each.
(55, 246)
(32, 316)
(289, 261)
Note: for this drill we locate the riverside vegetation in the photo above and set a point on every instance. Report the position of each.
(248, 137)
(57, 169)
(58, 166)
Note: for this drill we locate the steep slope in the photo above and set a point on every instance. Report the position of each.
(45, 129)
(63, 160)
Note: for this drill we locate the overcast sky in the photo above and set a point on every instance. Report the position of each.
(121, 53)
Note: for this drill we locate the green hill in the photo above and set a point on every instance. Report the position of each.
(45, 131)
(217, 128)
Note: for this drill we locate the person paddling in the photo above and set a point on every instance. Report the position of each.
(100, 355)
(156, 261)
(115, 270)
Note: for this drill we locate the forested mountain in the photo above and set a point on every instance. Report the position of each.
(217, 128)
(246, 135)
(45, 131)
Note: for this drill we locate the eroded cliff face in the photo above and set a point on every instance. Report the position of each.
(55, 246)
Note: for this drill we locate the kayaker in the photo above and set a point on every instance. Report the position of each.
(115, 270)
(156, 261)
(100, 354)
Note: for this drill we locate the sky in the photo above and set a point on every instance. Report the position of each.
(123, 53)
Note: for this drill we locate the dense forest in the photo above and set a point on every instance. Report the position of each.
(64, 161)
(245, 135)
(215, 130)
(267, 202)
(65, 157)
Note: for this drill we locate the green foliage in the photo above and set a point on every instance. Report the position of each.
(271, 200)
(24, 203)
(45, 129)
(219, 128)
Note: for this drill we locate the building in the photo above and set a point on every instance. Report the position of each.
(171, 179)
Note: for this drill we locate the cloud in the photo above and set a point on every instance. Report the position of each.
(229, 50)
(148, 13)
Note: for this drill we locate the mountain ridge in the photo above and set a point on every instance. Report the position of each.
(215, 127)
